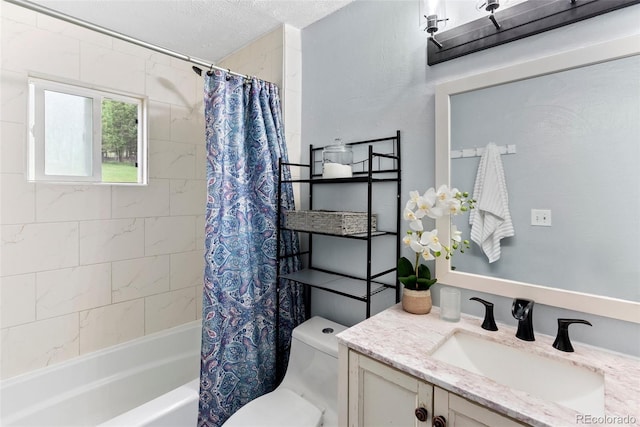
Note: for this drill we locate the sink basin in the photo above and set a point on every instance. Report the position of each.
(575, 387)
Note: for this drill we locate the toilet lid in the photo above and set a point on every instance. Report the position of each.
(280, 408)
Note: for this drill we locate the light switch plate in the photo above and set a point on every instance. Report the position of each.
(541, 217)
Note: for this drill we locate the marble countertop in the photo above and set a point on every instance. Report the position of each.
(405, 341)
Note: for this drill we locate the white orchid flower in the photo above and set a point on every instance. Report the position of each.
(413, 200)
(414, 223)
(454, 206)
(431, 196)
(427, 255)
(434, 212)
(426, 207)
(409, 237)
(417, 247)
(444, 192)
(408, 215)
(423, 207)
(445, 196)
(431, 241)
(434, 204)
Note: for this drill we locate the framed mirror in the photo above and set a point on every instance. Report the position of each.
(573, 120)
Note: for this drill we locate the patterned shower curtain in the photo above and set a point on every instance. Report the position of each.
(245, 139)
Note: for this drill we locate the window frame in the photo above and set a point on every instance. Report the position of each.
(36, 130)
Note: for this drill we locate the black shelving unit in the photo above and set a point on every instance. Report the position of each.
(377, 167)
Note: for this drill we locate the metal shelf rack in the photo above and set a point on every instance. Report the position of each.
(377, 167)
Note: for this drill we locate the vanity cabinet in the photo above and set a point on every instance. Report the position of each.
(459, 412)
(380, 395)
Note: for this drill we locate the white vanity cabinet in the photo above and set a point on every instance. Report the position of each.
(380, 395)
(460, 412)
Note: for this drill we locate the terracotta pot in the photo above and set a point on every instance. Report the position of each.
(416, 302)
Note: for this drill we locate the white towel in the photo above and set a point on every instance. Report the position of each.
(490, 220)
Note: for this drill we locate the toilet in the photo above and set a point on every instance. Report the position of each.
(307, 396)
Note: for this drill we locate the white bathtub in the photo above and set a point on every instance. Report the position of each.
(108, 386)
(177, 408)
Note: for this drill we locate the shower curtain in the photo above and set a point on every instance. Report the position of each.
(245, 139)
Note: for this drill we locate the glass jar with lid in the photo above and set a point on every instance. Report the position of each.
(337, 160)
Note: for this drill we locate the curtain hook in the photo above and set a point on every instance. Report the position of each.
(228, 74)
(210, 72)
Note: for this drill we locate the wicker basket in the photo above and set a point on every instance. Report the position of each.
(331, 222)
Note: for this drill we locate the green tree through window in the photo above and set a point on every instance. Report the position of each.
(119, 141)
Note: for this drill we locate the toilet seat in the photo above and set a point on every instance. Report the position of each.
(280, 408)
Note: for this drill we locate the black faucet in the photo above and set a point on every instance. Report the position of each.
(489, 322)
(522, 310)
(562, 342)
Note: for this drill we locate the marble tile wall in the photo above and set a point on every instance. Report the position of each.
(277, 58)
(84, 267)
(292, 107)
(263, 58)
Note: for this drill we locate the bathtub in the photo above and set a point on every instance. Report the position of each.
(112, 386)
(177, 408)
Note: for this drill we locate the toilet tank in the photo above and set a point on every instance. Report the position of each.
(313, 363)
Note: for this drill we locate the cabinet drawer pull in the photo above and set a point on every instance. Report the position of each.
(439, 421)
(422, 414)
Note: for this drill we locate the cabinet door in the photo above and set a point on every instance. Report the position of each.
(383, 396)
(460, 412)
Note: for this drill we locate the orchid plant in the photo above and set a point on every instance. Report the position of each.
(432, 204)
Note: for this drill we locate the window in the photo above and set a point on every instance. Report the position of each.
(77, 134)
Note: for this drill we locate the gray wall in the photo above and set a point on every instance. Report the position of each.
(365, 75)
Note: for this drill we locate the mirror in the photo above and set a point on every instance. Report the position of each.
(574, 120)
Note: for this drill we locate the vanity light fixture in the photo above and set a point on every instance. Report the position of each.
(435, 14)
(491, 6)
(521, 20)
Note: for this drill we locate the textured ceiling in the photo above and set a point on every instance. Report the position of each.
(205, 29)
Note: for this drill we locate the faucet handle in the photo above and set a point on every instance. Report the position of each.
(562, 342)
(521, 308)
(522, 311)
(489, 322)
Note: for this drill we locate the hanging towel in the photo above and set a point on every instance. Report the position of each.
(490, 220)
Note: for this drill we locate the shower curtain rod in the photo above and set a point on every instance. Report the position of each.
(55, 14)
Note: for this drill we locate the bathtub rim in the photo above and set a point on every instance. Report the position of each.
(158, 408)
(25, 396)
(96, 354)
